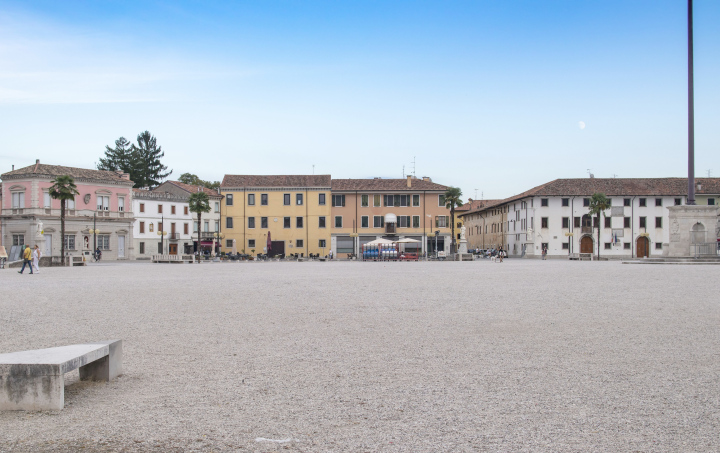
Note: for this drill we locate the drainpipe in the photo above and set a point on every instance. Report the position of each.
(424, 219)
(632, 227)
(572, 222)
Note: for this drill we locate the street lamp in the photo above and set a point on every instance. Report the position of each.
(217, 236)
(162, 233)
(569, 235)
(94, 231)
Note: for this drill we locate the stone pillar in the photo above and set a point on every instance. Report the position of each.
(462, 246)
(683, 219)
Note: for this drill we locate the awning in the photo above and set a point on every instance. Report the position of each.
(207, 243)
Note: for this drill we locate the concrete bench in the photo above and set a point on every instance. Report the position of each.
(173, 258)
(34, 380)
(78, 260)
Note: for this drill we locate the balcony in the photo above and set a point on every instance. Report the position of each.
(586, 230)
(173, 236)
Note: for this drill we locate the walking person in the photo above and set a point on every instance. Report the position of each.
(544, 253)
(36, 259)
(27, 257)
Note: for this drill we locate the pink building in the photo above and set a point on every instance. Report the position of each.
(30, 216)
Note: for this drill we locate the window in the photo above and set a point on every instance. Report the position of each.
(286, 199)
(566, 202)
(159, 208)
(338, 200)
(251, 243)
(364, 201)
(103, 241)
(658, 222)
(18, 239)
(586, 202)
(186, 227)
(543, 202)
(286, 222)
(251, 222)
(264, 199)
(643, 202)
(678, 201)
(263, 222)
(152, 227)
(185, 210)
(608, 246)
(251, 199)
(228, 200)
(643, 222)
(70, 242)
(397, 200)
(626, 202)
(441, 221)
(299, 243)
(626, 246)
(121, 204)
(195, 224)
(228, 222)
(217, 225)
(103, 203)
(416, 200)
(70, 203)
(416, 221)
(46, 200)
(298, 199)
(658, 246)
(160, 247)
(566, 222)
(389, 200)
(626, 222)
(160, 226)
(321, 243)
(608, 222)
(217, 207)
(543, 222)
(376, 200)
(228, 243)
(658, 202)
(441, 200)
(172, 209)
(378, 221)
(142, 248)
(338, 221)
(403, 221)
(142, 207)
(545, 245)
(142, 227)
(298, 222)
(18, 200)
(711, 201)
(577, 222)
(565, 246)
(364, 222)
(321, 199)
(321, 222)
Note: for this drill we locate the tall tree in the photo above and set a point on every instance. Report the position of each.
(146, 156)
(118, 158)
(599, 203)
(189, 178)
(63, 189)
(452, 197)
(198, 203)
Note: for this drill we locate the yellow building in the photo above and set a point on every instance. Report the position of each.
(292, 210)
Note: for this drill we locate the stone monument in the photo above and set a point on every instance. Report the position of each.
(693, 230)
(462, 243)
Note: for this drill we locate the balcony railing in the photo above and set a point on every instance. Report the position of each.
(586, 229)
(173, 236)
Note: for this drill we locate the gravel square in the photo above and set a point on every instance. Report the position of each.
(524, 355)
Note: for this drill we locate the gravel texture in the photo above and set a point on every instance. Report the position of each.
(363, 357)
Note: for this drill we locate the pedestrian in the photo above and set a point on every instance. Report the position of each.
(544, 253)
(36, 258)
(27, 257)
(501, 254)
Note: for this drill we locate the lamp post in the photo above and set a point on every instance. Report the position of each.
(218, 236)
(162, 233)
(94, 231)
(569, 235)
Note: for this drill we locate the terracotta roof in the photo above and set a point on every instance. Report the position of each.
(51, 171)
(385, 184)
(488, 205)
(276, 181)
(475, 204)
(192, 188)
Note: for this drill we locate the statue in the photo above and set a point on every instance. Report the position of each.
(39, 229)
(462, 232)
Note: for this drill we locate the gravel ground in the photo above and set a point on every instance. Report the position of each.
(364, 357)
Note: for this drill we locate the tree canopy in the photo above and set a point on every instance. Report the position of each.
(599, 203)
(141, 161)
(194, 180)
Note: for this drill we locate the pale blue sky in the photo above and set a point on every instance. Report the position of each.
(485, 95)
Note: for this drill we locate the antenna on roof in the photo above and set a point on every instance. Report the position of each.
(614, 175)
(313, 168)
(476, 194)
(403, 171)
(590, 173)
(413, 162)
(709, 172)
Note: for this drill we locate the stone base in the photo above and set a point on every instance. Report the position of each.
(462, 246)
(686, 221)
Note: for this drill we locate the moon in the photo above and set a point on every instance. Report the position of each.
(581, 124)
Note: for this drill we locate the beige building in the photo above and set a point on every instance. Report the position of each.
(486, 225)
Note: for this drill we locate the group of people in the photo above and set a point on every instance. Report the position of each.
(31, 259)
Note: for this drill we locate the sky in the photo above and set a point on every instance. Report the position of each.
(488, 96)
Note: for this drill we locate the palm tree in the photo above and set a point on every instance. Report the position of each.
(452, 200)
(63, 189)
(199, 202)
(599, 203)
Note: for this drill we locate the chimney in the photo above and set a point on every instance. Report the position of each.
(125, 176)
(409, 181)
(13, 168)
(37, 161)
(427, 178)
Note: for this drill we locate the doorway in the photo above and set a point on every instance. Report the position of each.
(643, 247)
(121, 246)
(173, 249)
(278, 248)
(586, 245)
(48, 245)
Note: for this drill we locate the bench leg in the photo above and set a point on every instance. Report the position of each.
(106, 368)
(22, 391)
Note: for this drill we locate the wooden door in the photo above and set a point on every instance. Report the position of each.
(586, 245)
(643, 249)
(173, 249)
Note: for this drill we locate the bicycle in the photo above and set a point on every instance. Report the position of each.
(96, 257)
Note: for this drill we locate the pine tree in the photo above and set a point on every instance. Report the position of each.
(118, 158)
(146, 161)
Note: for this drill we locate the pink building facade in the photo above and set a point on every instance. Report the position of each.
(29, 216)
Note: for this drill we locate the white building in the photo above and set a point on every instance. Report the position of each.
(555, 215)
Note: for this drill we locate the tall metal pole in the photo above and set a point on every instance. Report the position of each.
(94, 231)
(162, 233)
(691, 111)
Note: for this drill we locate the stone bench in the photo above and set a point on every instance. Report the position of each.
(34, 380)
(173, 258)
(78, 260)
